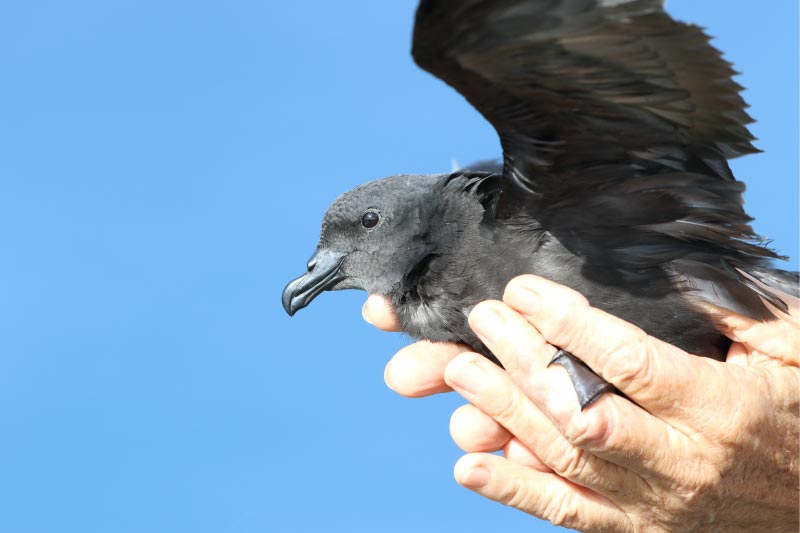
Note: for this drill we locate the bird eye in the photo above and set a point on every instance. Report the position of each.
(370, 219)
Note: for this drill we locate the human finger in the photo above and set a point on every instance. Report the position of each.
(515, 451)
(493, 391)
(474, 431)
(544, 495)
(777, 339)
(640, 366)
(612, 428)
(616, 430)
(418, 369)
(378, 311)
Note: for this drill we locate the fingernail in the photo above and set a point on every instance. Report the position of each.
(386, 376)
(476, 478)
(469, 377)
(487, 322)
(364, 313)
(523, 298)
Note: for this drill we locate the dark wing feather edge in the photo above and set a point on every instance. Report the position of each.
(616, 124)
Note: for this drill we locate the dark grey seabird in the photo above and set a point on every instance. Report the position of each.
(616, 124)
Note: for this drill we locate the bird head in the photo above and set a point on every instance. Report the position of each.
(371, 238)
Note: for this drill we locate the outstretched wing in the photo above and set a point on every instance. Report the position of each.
(616, 124)
(572, 85)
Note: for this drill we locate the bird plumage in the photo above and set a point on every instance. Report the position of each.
(616, 124)
(611, 115)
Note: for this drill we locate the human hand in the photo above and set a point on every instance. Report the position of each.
(716, 451)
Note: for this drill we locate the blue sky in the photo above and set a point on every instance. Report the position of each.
(164, 167)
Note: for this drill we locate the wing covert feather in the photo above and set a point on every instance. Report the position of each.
(571, 84)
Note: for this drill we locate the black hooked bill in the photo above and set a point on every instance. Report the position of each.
(323, 274)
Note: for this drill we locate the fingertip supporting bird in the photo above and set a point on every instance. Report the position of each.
(469, 472)
(465, 373)
(522, 293)
(486, 320)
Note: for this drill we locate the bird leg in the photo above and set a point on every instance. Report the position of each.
(588, 385)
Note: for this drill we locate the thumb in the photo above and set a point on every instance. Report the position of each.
(379, 312)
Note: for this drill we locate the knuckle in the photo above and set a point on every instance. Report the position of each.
(589, 430)
(571, 463)
(687, 500)
(518, 496)
(703, 481)
(562, 509)
(630, 364)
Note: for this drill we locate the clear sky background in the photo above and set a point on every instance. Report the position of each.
(164, 167)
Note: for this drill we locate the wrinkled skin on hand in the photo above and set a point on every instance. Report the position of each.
(699, 445)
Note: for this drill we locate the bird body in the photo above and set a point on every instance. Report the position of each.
(460, 253)
(616, 124)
